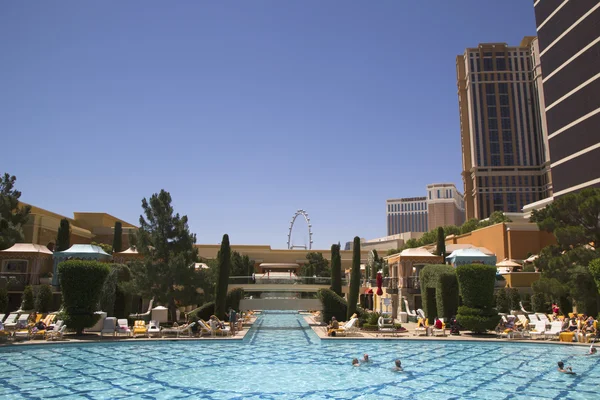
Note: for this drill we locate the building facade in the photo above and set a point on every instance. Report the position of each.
(407, 215)
(445, 205)
(504, 155)
(569, 44)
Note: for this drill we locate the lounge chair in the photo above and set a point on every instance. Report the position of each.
(179, 330)
(543, 317)
(204, 328)
(153, 329)
(109, 326)
(139, 328)
(440, 332)
(533, 318)
(554, 332)
(122, 327)
(215, 327)
(144, 315)
(48, 320)
(538, 330)
(348, 327)
(386, 325)
(56, 334)
(411, 314)
(11, 321)
(523, 308)
(421, 313)
(53, 328)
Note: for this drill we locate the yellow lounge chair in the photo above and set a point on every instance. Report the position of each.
(47, 321)
(139, 328)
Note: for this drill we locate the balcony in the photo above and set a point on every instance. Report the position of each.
(16, 281)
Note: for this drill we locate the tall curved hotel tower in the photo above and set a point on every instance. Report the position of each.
(569, 43)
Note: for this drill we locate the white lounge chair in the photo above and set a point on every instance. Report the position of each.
(109, 326)
(523, 308)
(153, 329)
(179, 330)
(538, 330)
(144, 315)
(421, 313)
(11, 321)
(386, 325)
(412, 313)
(543, 317)
(203, 328)
(554, 332)
(348, 327)
(56, 334)
(440, 332)
(122, 327)
(533, 318)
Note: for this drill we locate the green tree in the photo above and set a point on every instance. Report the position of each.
(43, 299)
(336, 269)
(224, 258)
(595, 271)
(241, 265)
(317, 264)
(441, 243)
(167, 272)
(81, 285)
(107, 248)
(354, 278)
(12, 217)
(476, 288)
(28, 301)
(376, 264)
(411, 244)
(117, 246)
(63, 236)
(3, 300)
(469, 226)
(502, 301)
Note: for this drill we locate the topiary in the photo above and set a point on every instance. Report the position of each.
(514, 299)
(43, 300)
(502, 301)
(28, 302)
(538, 302)
(476, 286)
(333, 305)
(477, 320)
(81, 284)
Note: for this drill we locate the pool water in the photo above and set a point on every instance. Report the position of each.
(282, 358)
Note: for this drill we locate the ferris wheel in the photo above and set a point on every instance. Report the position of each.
(291, 246)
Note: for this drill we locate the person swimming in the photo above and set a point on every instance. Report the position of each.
(565, 370)
(366, 358)
(355, 363)
(592, 351)
(398, 366)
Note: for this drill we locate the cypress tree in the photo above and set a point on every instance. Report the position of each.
(441, 242)
(63, 237)
(224, 259)
(375, 265)
(118, 238)
(336, 269)
(354, 278)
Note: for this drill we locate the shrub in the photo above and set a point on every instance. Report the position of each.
(502, 301)
(3, 300)
(529, 268)
(514, 299)
(370, 327)
(81, 283)
(233, 298)
(354, 278)
(372, 318)
(224, 262)
(28, 302)
(439, 291)
(43, 300)
(333, 305)
(538, 302)
(476, 286)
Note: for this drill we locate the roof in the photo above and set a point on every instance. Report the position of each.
(131, 250)
(468, 253)
(83, 249)
(417, 252)
(28, 248)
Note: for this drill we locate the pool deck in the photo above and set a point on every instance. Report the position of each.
(321, 331)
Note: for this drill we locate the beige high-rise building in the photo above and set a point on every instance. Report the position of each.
(445, 205)
(504, 151)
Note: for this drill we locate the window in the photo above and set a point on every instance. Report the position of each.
(489, 88)
(496, 160)
(439, 196)
(500, 64)
(504, 112)
(15, 267)
(498, 202)
(505, 124)
(430, 195)
(494, 136)
(503, 88)
(493, 124)
(509, 159)
(492, 112)
(495, 147)
(504, 100)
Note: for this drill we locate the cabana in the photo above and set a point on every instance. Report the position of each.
(25, 262)
(470, 256)
(78, 252)
(131, 254)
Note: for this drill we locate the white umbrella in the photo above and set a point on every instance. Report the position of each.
(532, 258)
(508, 263)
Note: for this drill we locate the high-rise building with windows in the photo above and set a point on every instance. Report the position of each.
(443, 205)
(569, 44)
(503, 148)
(407, 215)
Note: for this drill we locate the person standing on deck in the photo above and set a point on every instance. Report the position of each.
(232, 320)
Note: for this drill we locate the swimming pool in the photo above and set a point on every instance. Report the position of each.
(282, 358)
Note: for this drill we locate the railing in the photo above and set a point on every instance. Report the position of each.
(16, 279)
(411, 282)
(294, 280)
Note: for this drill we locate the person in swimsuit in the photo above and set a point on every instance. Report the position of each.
(355, 363)
(398, 366)
(565, 370)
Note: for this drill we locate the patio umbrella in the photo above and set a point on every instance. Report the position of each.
(379, 284)
(532, 258)
(507, 263)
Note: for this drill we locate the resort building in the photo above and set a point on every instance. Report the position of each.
(86, 227)
(504, 154)
(385, 243)
(569, 44)
(443, 205)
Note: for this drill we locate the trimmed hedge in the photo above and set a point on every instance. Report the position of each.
(514, 298)
(44, 298)
(439, 291)
(81, 283)
(333, 305)
(476, 286)
(207, 309)
(502, 301)
(28, 302)
(3, 300)
(538, 303)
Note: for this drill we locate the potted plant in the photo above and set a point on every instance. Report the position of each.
(45, 278)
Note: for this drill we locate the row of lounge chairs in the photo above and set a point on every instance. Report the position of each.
(114, 327)
(20, 327)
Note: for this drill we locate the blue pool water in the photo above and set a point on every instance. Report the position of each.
(282, 358)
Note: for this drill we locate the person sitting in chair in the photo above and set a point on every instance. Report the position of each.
(333, 325)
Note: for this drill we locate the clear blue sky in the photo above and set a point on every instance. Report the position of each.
(244, 111)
